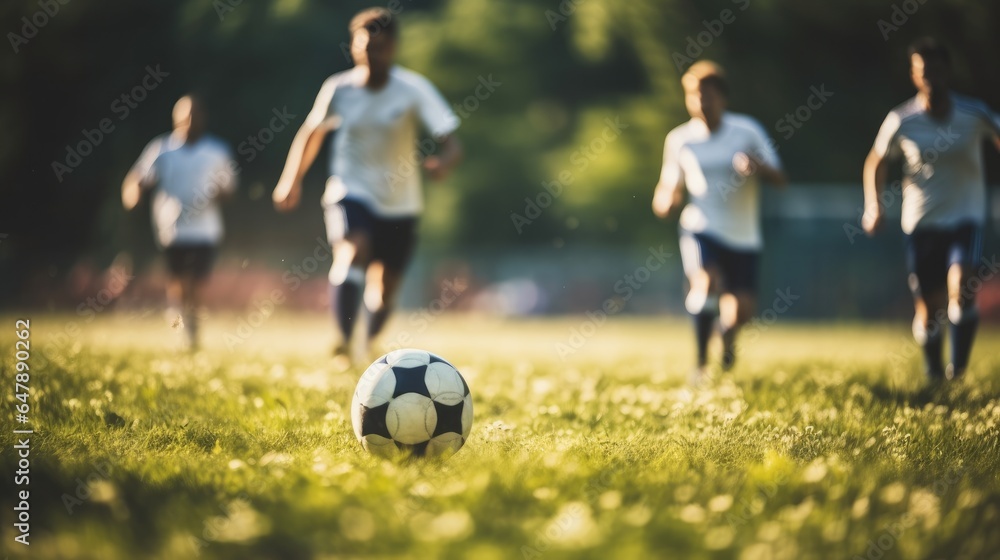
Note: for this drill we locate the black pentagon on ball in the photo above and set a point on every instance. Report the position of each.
(416, 449)
(373, 421)
(410, 380)
(449, 418)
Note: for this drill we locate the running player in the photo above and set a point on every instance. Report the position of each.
(717, 157)
(938, 134)
(189, 172)
(373, 195)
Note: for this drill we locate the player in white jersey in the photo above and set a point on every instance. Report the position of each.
(189, 172)
(938, 134)
(373, 196)
(717, 158)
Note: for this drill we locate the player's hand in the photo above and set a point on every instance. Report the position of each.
(286, 195)
(745, 164)
(871, 220)
(664, 201)
(435, 168)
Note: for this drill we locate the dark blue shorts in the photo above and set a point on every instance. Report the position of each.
(393, 239)
(190, 259)
(737, 269)
(930, 252)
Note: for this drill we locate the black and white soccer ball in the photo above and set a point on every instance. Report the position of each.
(412, 402)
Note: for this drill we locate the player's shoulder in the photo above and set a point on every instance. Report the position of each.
(906, 111)
(344, 78)
(683, 132)
(161, 143)
(745, 123)
(410, 79)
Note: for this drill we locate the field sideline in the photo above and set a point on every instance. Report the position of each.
(587, 443)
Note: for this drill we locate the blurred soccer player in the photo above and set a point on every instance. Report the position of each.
(373, 196)
(717, 157)
(189, 172)
(938, 134)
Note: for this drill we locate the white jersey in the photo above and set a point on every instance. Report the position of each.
(375, 159)
(187, 178)
(943, 178)
(723, 203)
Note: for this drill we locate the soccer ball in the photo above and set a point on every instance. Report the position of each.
(411, 402)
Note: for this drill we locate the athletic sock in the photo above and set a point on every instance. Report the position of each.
(191, 326)
(377, 320)
(346, 300)
(962, 331)
(728, 347)
(703, 324)
(703, 310)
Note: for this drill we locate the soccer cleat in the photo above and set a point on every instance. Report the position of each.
(700, 377)
(342, 357)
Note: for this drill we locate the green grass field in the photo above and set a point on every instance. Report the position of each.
(822, 444)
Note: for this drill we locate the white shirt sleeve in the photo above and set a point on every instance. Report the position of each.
(143, 167)
(886, 144)
(323, 106)
(763, 147)
(434, 111)
(671, 174)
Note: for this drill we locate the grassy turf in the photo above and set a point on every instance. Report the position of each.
(822, 444)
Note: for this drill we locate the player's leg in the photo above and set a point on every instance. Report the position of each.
(395, 241)
(348, 226)
(739, 302)
(698, 256)
(963, 315)
(926, 259)
(735, 310)
(194, 284)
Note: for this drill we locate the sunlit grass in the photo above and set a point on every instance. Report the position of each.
(823, 444)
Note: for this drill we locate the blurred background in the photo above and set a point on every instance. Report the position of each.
(577, 95)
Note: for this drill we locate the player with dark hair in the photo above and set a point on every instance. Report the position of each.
(938, 134)
(189, 172)
(373, 195)
(717, 157)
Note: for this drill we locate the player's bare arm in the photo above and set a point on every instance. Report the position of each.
(131, 191)
(450, 153)
(875, 174)
(301, 155)
(667, 198)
